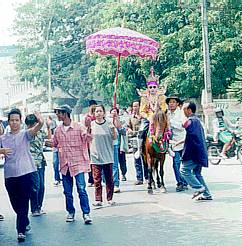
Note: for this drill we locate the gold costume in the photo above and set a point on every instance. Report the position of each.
(150, 103)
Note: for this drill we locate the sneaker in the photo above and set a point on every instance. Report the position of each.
(87, 219)
(90, 185)
(28, 228)
(1, 217)
(21, 237)
(35, 214)
(204, 198)
(97, 204)
(111, 203)
(185, 187)
(70, 217)
(116, 189)
(179, 188)
(138, 182)
(198, 192)
(171, 152)
(123, 178)
(41, 212)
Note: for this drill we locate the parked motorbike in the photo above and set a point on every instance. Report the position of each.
(215, 148)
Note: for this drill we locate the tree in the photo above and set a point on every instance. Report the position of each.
(64, 26)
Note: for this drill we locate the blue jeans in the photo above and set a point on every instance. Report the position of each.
(139, 169)
(176, 167)
(56, 166)
(115, 166)
(81, 189)
(192, 173)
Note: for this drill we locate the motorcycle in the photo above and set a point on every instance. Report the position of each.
(215, 148)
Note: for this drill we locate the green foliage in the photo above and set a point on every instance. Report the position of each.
(236, 86)
(60, 28)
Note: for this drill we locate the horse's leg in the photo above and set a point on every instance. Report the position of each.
(157, 173)
(150, 177)
(162, 161)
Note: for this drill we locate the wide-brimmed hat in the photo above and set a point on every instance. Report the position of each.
(173, 97)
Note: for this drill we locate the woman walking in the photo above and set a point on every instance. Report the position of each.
(101, 151)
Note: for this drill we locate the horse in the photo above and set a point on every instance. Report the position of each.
(154, 153)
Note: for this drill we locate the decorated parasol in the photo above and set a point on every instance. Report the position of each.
(121, 42)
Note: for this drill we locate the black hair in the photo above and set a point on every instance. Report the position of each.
(30, 120)
(192, 106)
(68, 114)
(114, 109)
(100, 106)
(92, 102)
(14, 111)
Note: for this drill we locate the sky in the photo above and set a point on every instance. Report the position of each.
(7, 15)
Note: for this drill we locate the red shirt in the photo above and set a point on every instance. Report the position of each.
(72, 148)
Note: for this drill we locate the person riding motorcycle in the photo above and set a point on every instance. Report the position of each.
(222, 131)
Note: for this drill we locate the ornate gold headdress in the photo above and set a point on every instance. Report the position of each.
(152, 79)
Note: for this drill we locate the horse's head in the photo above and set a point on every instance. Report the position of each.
(160, 122)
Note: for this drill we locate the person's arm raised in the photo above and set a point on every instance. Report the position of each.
(34, 130)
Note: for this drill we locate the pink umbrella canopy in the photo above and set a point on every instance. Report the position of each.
(122, 42)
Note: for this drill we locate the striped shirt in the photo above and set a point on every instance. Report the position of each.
(72, 146)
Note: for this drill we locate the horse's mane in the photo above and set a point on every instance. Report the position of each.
(160, 119)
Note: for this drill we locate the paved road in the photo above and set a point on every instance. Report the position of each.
(169, 219)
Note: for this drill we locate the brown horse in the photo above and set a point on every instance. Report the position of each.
(154, 154)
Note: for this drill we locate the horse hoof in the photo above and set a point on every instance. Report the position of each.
(163, 190)
(150, 191)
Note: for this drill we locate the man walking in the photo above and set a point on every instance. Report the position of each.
(36, 150)
(178, 135)
(19, 167)
(133, 128)
(195, 154)
(72, 140)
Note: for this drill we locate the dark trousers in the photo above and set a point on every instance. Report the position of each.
(97, 171)
(141, 170)
(19, 190)
(122, 162)
(37, 194)
(90, 178)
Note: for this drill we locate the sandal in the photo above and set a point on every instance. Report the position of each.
(204, 198)
(198, 192)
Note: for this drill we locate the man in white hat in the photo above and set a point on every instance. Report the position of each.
(178, 137)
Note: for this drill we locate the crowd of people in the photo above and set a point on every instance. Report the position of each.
(98, 146)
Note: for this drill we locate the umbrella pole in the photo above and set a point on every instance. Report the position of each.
(116, 82)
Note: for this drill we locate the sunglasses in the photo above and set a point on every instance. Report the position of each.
(152, 87)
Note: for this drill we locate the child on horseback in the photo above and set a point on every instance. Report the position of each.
(152, 100)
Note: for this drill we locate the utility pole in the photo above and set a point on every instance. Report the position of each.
(49, 84)
(207, 100)
(49, 66)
